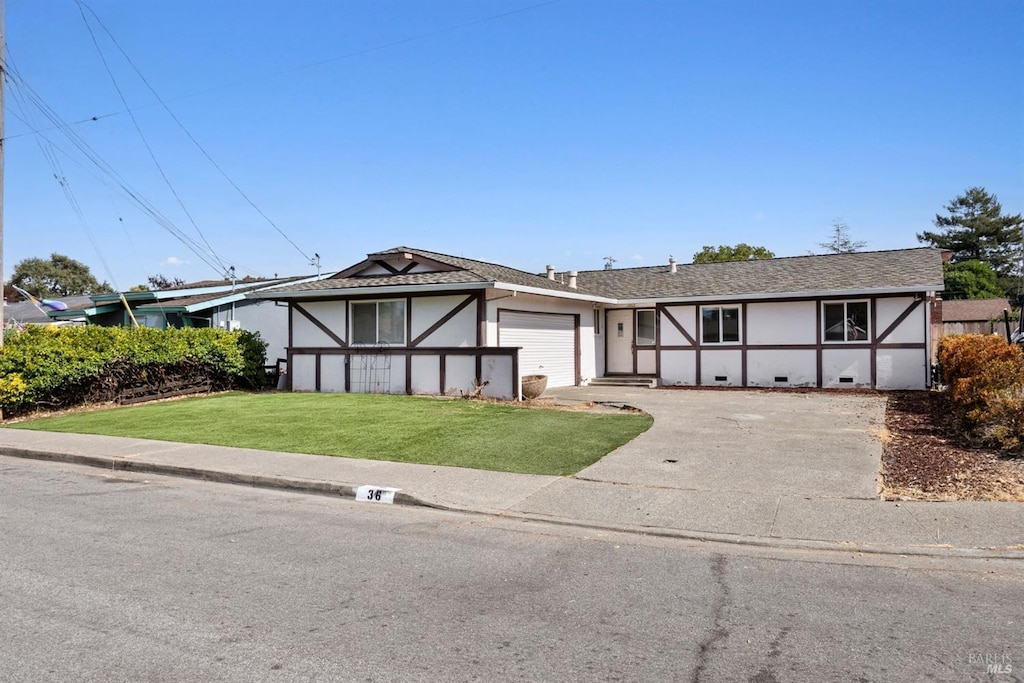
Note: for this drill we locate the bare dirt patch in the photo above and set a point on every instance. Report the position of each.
(924, 457)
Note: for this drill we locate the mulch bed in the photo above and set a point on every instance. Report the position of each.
(926, 459)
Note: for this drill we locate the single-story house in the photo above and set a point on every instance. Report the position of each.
(209, 303)
(413, 321)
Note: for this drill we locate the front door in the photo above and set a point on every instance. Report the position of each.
(619, 330)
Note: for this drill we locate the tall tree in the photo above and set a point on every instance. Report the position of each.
(977, 230)
(840, 242)
(741, 252)
(970, 280)
(56, 277)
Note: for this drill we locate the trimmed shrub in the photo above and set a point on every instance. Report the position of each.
(985, 378)
(44, 366)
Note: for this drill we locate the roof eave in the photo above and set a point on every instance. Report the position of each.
(768, 296)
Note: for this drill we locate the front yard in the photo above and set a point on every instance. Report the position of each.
(459, 433)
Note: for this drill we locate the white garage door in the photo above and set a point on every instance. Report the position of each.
(548, 344)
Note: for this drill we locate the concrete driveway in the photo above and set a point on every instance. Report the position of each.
(814, 445)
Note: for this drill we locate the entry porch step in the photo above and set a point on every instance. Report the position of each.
(624, 381)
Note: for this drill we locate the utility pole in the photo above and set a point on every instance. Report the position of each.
(3, 77)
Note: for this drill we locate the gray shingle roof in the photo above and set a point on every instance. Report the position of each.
(968, 310)
(466, 271)
(830, 272)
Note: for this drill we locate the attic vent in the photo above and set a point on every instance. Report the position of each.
(846, 380)
(781, 378)
(721, 378)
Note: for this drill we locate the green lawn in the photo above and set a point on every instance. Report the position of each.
(486, 436)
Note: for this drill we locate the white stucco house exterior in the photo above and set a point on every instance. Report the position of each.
(413, 321)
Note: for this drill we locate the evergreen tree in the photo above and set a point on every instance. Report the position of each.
(977, 230)
(840, 241)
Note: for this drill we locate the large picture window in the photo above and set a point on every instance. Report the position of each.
(720, 324)
(846, 321)
(378, 322)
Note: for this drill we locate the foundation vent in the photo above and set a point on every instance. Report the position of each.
(721, 378)
(781, 378)
(846, 380)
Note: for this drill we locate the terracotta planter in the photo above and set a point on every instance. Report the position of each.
(534, 385)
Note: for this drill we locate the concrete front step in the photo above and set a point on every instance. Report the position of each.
(624, 382)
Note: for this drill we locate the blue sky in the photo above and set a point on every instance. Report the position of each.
(560, 133)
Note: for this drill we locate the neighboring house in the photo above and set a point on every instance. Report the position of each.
(210, 303)
(413, 321)
(27, 313)
(973, 316)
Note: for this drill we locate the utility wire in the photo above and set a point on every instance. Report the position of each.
(145, 142)
(109, 175)
(185, 130)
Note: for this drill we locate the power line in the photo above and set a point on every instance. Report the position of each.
(108, 175)
(189, 134)
(145, 142)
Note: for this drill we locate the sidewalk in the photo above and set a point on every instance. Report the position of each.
(979, 529)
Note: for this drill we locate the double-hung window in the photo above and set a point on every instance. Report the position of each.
(846, 321)
(378, 322)
(720, 324)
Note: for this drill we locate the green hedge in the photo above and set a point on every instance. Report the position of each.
(45, 366)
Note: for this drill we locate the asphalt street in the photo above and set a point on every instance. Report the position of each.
(129, 577)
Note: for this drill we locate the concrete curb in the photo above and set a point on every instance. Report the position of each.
(329, 488)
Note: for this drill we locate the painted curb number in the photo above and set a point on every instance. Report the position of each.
(376, 494)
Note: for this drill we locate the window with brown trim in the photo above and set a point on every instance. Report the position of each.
(646, 331)
(720, 324)
(378, 322)
(845, 321)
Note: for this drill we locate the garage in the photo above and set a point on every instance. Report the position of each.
(548, 343)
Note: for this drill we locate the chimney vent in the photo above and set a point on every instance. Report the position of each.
(551, 272)
(672, 264)
(572, 278)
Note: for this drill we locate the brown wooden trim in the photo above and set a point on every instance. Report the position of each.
(676, 347)
(447, 316)
(696, 361)
(291, 327)
(387, 266)
(896, 323)
(288, 377)
(577, 351)
(400, 350)
(408, 321)
(408, 268)
(743, 347)
(348, 374)
(678, 326)
(819, 359)
(481, 318)
(317, 363)
(441, 367)
(408, 373)
(873, 324)
(323, 328)
(657, 340)
(517, 385)
(633, 342)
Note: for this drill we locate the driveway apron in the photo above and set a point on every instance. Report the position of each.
(815, 445)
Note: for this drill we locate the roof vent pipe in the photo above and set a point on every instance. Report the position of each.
(551, 272)
(572, 278)
(672, 264)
